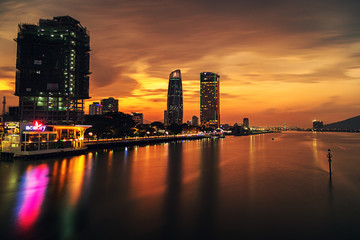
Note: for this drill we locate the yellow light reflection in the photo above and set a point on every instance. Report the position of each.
(76, 170)
(62, 174)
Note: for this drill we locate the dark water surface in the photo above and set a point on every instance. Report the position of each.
(249, 187)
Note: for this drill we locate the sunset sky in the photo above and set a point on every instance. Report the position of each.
(279, 61)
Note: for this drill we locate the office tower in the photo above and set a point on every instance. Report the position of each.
(110, 105)
(246, 123)
(195, 121)
(137, 117)
(318, 125)
(52, 77)
(13, 114)
(175, 99)
(210, 99)
(95, 108)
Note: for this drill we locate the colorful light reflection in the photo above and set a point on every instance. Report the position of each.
(31, 196)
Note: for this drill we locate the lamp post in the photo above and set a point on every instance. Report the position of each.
(329, 157)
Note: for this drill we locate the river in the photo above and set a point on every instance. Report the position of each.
(251, 187)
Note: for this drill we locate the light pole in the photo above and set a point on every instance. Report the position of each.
(329, 157)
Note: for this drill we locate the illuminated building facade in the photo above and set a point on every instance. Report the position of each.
(210, 99)
(195, 121)
(175, 99)
(137, 117)
(95, 108)
(110, 105)
(52, 77)
(318, 125)
(246, 123)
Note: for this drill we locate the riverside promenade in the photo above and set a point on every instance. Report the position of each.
(132, 141)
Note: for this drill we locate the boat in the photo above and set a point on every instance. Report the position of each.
(36, 139)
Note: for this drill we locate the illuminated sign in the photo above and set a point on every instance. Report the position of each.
(11, 125)
(36, 127)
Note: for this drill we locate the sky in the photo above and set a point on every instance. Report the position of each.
(279, 61)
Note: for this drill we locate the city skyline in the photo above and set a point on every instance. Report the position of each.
(279, 62)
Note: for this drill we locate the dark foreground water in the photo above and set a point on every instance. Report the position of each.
(249, 187)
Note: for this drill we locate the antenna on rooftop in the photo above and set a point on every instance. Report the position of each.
(4, 104)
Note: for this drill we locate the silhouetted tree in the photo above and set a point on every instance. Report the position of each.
(110, 125)
(175, 128)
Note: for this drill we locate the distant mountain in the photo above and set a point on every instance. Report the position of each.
(145, 121)
(348, 124)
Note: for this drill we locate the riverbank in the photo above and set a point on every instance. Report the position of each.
(108, 143)
(102, 144)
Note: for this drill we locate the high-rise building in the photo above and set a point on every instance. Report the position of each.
(246, 123)
(318, 125)
(137, 117)
(195, 121)
(175, 99)
(95, 108)
(110, 105)
(52, 77)
(210, 99)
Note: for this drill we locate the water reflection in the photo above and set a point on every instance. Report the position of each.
(31, 196)
(173, 191)
(208, 192)
(194, 189)
(76, 171)
(315, 149)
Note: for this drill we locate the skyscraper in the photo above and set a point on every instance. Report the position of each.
(95, 108)
(246, 123)
(175, 99)
(110, 105)
(52, 77)
(137, 117)
(210, 99)
(318, 125)
(195, 121)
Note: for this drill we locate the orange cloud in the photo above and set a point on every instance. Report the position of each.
(276, 63)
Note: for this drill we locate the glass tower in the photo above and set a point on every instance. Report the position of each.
(52, 77)
(210, 99)
(175, 99)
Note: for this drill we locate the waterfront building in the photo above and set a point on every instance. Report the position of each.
(95, 108)
(195, 121)
(175, 99)
(110, 105)
(246, 123)
(137, 117)
(318, 125)
(210, 99)
(32, 139)
(52, 77)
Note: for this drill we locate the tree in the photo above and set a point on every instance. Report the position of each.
(175, 128)
(115, 124)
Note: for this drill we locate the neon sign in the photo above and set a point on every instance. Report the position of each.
(36, 127)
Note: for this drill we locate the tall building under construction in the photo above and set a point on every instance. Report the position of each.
(210, 99)
(174, 113)
(52, 77)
